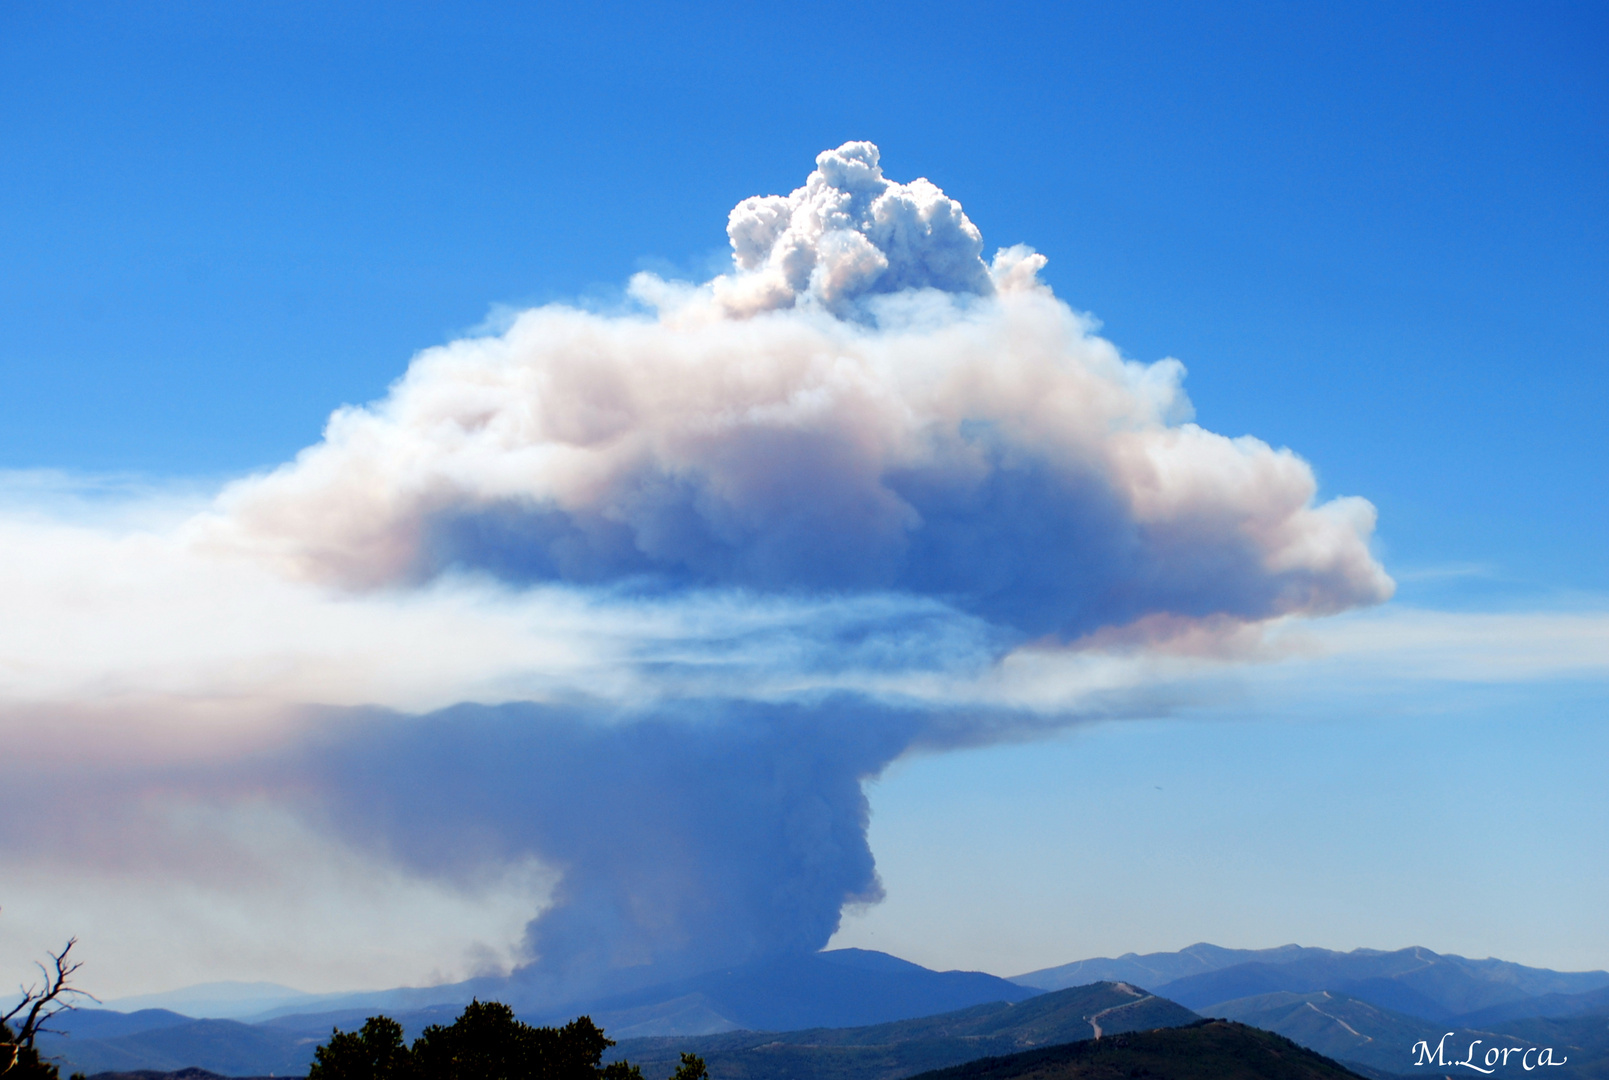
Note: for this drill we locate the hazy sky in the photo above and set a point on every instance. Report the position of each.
(1114, 677)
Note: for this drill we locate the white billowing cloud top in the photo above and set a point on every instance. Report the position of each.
(847, 234)
(859, 406)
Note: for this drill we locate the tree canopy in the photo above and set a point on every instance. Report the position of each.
(21, 1062)
(486, 1042)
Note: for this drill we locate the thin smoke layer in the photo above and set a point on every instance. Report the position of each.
(708, 566)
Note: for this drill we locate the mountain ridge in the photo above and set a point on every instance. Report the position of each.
(841, 988)
(1414, 980)
(899, 1048)
(1205, 1050)
(1166, 969)
(1347, 1005)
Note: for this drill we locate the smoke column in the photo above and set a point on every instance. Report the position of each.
(707, 566)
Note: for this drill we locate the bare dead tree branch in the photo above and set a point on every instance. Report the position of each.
(40, 1003)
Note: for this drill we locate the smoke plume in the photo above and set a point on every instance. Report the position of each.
(703, 567)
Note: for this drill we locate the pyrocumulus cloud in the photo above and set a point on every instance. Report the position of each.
(645, 597)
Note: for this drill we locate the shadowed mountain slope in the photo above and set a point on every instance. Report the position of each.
(850, 1013)
(837, 988)
(1337, 1026)
(106, 1024)
(1585, 1039)
(841, 988)
(887, 1051)
(1553, 1006)
(1379, 1041)
(877, 1052)
(1206, 1050)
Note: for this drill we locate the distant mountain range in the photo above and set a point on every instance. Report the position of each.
(228, 1047)
(1159, 969)
(224, 1000)
(1366, 1007)
(839, 988)
(1415, 981)
(1204, 1050)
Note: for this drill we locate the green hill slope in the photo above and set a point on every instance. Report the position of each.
(1206, 1050)
(898, 1049)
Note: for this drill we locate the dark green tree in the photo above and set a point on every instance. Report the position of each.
(376, 1052)
(691, 1068)
(486, 1042)
(19, 1062)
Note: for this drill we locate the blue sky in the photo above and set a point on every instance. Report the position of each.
(1373, 233)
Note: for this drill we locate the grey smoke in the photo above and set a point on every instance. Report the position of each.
(691, 837)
